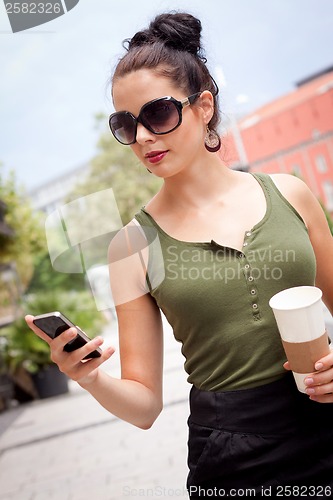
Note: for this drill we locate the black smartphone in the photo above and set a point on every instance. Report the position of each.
(55, 323)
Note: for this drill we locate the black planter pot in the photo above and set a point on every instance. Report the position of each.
(6, 392)
(50, 381)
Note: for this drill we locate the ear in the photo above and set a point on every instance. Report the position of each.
(206, 103)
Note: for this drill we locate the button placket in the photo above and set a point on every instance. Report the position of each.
(247, 235)
(251, 285)
(250, 280)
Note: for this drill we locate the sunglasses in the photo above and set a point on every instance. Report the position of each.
(159, 116)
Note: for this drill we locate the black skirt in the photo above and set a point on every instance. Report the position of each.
(267, 441)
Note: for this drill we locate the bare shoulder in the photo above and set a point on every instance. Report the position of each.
(128, 262)
(128, 241)
(298, 193)
(302, 199)
(290, 185)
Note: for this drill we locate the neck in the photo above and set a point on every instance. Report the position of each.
(198, 186)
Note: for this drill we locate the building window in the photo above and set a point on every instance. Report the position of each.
(321, 164)
(328, 190)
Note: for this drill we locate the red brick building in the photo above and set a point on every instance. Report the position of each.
(292, 134)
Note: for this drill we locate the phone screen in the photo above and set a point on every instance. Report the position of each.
(52, 326)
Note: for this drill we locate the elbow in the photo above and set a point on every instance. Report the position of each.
(145, 426)
(148, 422)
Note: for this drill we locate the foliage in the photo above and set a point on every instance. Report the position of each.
(25, 348)
(116, 167)
(47, 279)
(28, 239)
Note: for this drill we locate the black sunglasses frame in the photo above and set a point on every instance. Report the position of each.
(179, 105)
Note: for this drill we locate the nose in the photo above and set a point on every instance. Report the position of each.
(143, 134)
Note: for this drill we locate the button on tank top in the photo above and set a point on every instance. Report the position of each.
(216, 297)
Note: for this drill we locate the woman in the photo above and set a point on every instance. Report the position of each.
(209, 250)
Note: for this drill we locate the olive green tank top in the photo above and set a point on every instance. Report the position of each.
(216, 297)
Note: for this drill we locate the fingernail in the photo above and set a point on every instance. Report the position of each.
(319, 366)
(308, 381)
(310, 391)
(71, 333)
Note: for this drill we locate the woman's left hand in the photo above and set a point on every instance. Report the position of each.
(319, 384)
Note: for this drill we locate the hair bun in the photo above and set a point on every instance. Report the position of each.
(180, 31)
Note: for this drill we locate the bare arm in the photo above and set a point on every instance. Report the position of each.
(137, 396)
(302, 199)
(298, 194)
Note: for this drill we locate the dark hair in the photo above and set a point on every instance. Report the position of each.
(171, 47)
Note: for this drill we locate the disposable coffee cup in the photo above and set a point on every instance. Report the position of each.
(300, 319)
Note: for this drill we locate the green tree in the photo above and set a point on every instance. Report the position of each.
(116, 167)
(45, 278)
(28, 239)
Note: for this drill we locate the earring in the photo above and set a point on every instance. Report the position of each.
(212, 141)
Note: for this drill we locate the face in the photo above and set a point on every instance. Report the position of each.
(168, 154)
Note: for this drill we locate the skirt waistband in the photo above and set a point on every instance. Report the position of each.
(273, 408)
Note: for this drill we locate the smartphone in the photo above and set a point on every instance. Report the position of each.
(55, 323)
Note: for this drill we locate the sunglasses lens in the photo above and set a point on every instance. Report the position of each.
(123, 127)
(161, 116)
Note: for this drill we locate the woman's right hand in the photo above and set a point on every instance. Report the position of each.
(73, 364)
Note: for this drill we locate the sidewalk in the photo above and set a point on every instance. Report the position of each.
(70, 448)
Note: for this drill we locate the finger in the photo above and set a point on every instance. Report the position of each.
(320, 390)
(286, 365)
(68, 360)
(29, 320)
(59, 342)
(319, 378)
(325, 363)
(72, 363)
(79, 354)
(96, 362)
(325, 398)
(82, 370)
(319, 384)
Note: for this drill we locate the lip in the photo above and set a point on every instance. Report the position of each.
(155, 156)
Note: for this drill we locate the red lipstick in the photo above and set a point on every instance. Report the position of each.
(155, 156)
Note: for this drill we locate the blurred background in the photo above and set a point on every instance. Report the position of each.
(274, 65)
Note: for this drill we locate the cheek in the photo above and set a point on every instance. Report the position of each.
(192, 137)
(193, 128)
(136, 149)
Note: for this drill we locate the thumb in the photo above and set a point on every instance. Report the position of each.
(286, 365)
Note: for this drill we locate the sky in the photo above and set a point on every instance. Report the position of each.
(54, 77)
